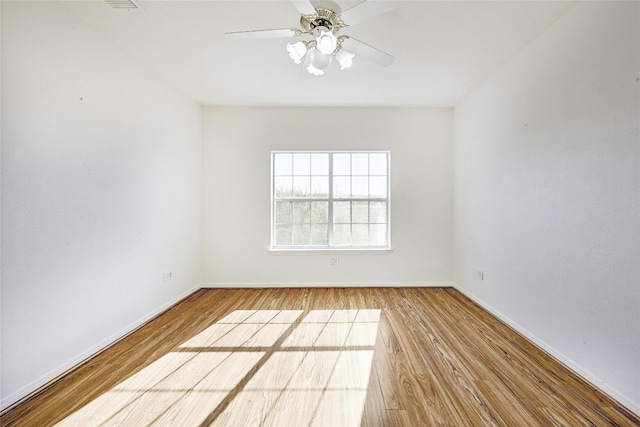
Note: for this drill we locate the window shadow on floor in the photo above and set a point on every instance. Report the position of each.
(252, 367)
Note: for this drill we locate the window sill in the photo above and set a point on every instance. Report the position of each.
(381, 251)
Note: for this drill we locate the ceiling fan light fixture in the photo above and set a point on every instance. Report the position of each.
(323, 25)
(344, 58)
(297, 51)
(326, 41)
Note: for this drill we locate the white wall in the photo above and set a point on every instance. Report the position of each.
(547, 194)
(101, 192)
(236, 153)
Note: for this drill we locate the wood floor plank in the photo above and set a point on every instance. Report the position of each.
(385, 375)
(375, 411)
(555, 386)
(326, 357)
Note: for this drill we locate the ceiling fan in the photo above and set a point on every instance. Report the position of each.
(323, 22)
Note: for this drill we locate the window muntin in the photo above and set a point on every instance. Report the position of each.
(330, 200)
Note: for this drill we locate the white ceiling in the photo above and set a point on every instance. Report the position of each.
(443, 49)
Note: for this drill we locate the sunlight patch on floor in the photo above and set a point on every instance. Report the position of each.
(258, 367)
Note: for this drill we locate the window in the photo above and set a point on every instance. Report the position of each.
(330, 200)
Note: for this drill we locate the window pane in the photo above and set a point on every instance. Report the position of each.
(284, 186)
(378, 234)
(283, 235)
(360, 234)
(319, 234)
(319, 212)
(283, 213)
(342, 235)
(301, 186)
(360, 164)
(360, 212)
(320, 164)
(342, 164)
(378, 212)
(283, 163)
(360, 186)
(302, 164)
(341, 186)
(301, 234)
(377, 164)
(341, 212)
(337, 198)
(319, 186)
(301, 212)
(378, 186)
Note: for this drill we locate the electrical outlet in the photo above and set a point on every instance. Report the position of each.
(167, 275)
(334, 260)
(480, 274)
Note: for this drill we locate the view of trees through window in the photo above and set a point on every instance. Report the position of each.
(330, 199)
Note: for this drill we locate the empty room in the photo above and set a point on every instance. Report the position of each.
(320, 213)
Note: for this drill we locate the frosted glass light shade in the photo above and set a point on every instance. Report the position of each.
(297, 51)
(314, 71)
(326, 41)
(319, 60)
(344, 58)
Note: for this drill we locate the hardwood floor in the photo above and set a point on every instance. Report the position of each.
(326, 357)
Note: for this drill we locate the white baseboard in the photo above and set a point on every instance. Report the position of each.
(567, 362)
(329, 285)
(34, 387)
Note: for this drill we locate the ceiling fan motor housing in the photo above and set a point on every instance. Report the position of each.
(324, 17)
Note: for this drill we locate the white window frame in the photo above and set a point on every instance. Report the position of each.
(330, 199)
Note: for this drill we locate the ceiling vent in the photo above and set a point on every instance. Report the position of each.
(122, 4)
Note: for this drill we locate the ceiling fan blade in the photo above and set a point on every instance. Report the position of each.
(363, 50)
(366, 10)
(304, 7)
(262, 34)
